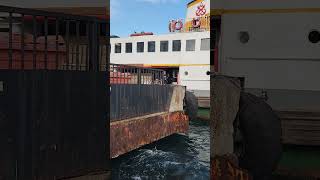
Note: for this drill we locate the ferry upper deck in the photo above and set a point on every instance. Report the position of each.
(186, 56)
(174, 49)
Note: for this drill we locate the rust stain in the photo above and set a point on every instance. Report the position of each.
(128, 135)
(225, 168)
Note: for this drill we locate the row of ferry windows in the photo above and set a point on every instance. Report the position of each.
(164, 46)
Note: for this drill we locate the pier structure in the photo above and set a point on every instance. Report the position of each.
(54, 106)
(56, 119)
(143, 108)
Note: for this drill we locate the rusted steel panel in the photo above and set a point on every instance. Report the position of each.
(130, 134)
(226, 168)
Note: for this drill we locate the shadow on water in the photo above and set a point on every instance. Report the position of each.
(175, 157)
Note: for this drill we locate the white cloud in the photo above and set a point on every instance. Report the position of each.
(159, 1)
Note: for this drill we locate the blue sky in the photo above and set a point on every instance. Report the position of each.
(128, 16)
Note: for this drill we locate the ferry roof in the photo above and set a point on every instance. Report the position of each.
(194, 2)
(169, 36)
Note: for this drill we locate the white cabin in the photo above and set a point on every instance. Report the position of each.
(275, 46)
(186, 56)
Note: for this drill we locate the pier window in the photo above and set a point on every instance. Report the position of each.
(128, 47)
(191, 45)
(140, 47)
(176, 45)
(205, 44)
(117, 48)
(151, 46)
(164, 46)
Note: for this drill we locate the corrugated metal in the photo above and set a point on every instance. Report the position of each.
(53, 124)
(131, 100)
(53, 120)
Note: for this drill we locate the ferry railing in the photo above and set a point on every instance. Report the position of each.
(128, 74)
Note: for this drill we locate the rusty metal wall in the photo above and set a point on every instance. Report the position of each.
(54, 113)
(53, 124)
(126, 136)
(133, 100)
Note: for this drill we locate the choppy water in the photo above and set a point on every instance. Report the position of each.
(181, 157)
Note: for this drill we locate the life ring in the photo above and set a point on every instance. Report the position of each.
(196, 23)
(178, 25)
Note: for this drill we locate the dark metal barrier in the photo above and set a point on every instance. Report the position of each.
(130, 100)
(125, 74)
(52, 125)
(137, 91)
(54, 113)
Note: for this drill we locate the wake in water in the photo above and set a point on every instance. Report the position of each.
(184, 157)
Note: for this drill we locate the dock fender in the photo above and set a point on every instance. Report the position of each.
(260, 130)
(191, 106)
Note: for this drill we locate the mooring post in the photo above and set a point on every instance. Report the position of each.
(225, 97)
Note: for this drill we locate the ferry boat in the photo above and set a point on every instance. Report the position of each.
(184, 52)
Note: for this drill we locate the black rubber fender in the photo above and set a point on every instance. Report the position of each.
(260, 129)
(191, 105)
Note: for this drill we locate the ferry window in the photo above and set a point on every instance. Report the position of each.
(151, 46)
(128, 47)
(176, 45)
(314, 36)
(117, 48)
(140, 46)
(191, 45)
(244, 37)
(205, 44)
(164, 46)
